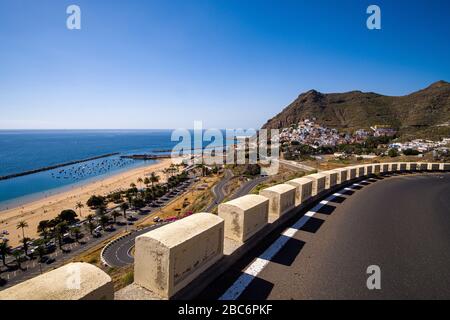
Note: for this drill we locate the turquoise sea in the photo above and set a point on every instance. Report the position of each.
(24, 150)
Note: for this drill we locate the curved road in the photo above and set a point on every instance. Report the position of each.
(401, 224)
(219, 194)
(118, 253)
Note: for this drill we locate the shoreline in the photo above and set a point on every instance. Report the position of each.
(26, 199)
(47, 207)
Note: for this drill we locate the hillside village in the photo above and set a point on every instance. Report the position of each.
(317, 137)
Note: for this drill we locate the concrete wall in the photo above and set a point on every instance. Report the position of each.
(318, 183)
(170, 257)
(244, 216)
(376, 168)
(74, 281)
(303, 189)
(385, 167)
(341, 175)
(330, 178)
(281, 199)
(433, 166)
(368, 169)
(422, 166)
(393, 167)
(360, 171)
(444, 166)
(351, 173)
(411, 166)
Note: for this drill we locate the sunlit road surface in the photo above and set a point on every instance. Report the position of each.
(399, 223)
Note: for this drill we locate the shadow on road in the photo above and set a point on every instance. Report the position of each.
(326, 209)
(259, 289)
(338, 199)
(290, 251)
(313, 225)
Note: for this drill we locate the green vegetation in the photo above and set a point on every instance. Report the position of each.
(128, 278)
(393, 153)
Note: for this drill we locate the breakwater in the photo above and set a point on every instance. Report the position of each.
(20, 174)
(145, 156)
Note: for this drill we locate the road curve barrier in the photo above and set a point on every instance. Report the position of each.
(180, 259)
(318, 183)
(244, 216)
(74, 281)
(331, 178)
(281, 199)
(303, 189)
(170, 257)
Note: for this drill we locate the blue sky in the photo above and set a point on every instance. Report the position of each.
(230, 63)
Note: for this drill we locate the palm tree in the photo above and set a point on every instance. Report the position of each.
(91, 227)
(140, 181)
(17, 256)
(76, 233)
(43, 228)
(124, 207)
(129, 197)
(146, 181)
(90, 218)
(115, 214)
(60, 229)
(41, 252)
(104, 221)
(5, 250)
(25, 242)
(22, 225)
(132, 185)
(153, 179)
(80, 206)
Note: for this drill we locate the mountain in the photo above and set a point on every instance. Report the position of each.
(419, 114)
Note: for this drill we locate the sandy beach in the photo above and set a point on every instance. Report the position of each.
(48, 207)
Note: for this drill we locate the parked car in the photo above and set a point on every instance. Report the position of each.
(96, 234)
(43, 259)
(50, 247)
(50, 260)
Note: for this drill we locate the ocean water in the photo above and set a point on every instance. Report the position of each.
(24, 150)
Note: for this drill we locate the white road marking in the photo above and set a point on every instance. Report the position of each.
(263, 260)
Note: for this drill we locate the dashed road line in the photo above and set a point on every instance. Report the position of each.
(263, 260)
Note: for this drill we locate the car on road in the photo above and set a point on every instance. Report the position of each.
(110, 229)
(96, 234)
(157, 219)
(50, 248)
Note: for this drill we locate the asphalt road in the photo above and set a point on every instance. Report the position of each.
(248, 186)
(119, 254)
(218, 191)
(399, 223)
